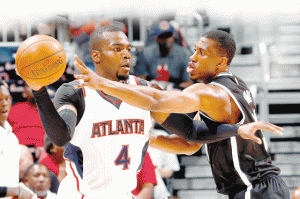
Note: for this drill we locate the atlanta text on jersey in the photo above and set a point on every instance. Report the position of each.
(118, 127)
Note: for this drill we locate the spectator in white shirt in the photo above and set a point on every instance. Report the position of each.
(9, 152)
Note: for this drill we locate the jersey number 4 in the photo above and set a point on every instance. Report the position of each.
(123, 158)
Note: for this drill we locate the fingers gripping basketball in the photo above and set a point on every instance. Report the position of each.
(41, 60)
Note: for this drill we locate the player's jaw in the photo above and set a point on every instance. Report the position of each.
(123, 72)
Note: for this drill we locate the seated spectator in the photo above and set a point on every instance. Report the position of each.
(25, 121)
(37, 178)
(164, 61)
(166, 164)
(146, 180)
(52, 158)
(26, 159)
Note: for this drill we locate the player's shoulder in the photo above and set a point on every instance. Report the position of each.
(69, 88)
(144, 82)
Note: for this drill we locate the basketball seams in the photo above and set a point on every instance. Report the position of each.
(32, 45)
(37, 62)
(42, 59)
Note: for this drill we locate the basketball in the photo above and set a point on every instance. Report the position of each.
(41, 60)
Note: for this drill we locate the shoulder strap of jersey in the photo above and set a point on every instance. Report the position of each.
(133, 80)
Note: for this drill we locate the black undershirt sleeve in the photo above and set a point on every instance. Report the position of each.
(198, 131)
(3, 192)
(58, 127)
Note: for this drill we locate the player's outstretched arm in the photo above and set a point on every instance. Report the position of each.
(173, 144)
(195, 131)
(145, 98)
(247, 131)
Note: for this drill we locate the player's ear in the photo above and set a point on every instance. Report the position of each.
(96, 56)
(222, 62)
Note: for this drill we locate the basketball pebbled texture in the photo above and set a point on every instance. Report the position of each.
(41, 59)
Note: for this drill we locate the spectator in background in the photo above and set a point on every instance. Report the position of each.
(9, 151)
(26, 159)
(165, 61)
(9, 144)
(52, 158)
(81, 36)
(37, 178)
(25, 121)
(146, 180)
(166, 164)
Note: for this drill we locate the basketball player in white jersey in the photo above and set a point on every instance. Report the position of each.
(106, 139)
(242, 169)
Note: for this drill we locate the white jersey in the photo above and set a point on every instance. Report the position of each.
(112, 138)
(9, 157)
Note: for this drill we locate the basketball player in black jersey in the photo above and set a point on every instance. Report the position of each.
(241, 168)
(111, 55)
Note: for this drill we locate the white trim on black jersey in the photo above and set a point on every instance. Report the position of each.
(233, 139)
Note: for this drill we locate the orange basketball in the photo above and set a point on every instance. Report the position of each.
(41, 60)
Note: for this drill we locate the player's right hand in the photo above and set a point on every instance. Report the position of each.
(26, 193)
(247, 131)
(32, 85)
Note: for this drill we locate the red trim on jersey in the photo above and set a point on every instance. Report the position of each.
(84, 94)
(116, 103)
(77, 180)
(136, 80)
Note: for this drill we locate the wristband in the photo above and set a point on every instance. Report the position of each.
(3, 192)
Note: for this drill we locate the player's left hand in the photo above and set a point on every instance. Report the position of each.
(89, 77)
(247, 131)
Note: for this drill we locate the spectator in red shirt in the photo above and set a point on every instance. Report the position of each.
(146, 180)
(52, 158)
(25, 121)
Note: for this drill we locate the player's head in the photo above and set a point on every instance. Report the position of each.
(37, 178)
(213, 54)
(110, 51)
(5, 102)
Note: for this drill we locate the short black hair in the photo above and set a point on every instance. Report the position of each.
(96, 36)
(225, 43)
(30, 167)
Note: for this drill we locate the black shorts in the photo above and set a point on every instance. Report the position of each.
(270, 188)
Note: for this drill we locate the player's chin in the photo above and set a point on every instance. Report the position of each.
(123, 76)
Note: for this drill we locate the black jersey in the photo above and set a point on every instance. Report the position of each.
(238, 163)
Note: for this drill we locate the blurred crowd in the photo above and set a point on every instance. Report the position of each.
(42, 167)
